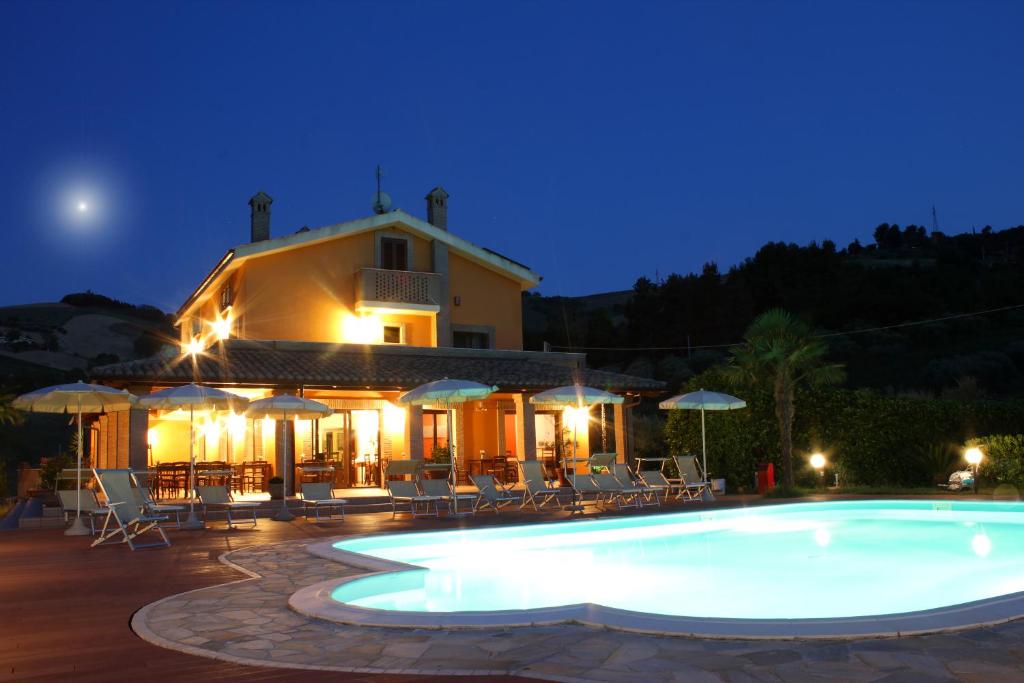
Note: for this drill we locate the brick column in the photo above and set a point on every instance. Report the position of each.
(138, 439)
(414, 432)
(526, 427)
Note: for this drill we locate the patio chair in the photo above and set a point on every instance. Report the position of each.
(655, 480)
(692, 485)
(492, 494)
(219, 498)
(125, 520)
(406, 492)
(145, 500)
(91, 506)
(648, 495)
(539, 490)
(622, 495)
(317, 496)
(443, 490)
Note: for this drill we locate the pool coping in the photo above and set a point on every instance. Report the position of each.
(315, 601)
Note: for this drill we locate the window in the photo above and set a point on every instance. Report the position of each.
(394, 334)
(394, 253)
(471, 340)
(435, 431)
(225, 297)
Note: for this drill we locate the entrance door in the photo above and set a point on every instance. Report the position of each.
(351, 439)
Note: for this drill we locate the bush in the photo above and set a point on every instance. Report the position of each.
(1003, 461)
(868, 438)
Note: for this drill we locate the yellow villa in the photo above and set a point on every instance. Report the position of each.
(352, 315)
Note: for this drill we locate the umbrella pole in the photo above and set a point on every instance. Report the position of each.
(704, 450)
(283, 515)
(192, 522)
(77, 528)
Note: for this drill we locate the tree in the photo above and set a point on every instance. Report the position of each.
(780, 352)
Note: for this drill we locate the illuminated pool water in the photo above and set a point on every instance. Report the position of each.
(804, 561)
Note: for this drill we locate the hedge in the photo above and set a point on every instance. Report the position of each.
(868, 438)
(1003, 461)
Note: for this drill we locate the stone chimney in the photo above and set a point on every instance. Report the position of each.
(260, 216)
(437, 208)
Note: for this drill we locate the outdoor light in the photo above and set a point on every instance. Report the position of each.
(818, 461)
(222, 327)
(973, 456)
(194, 347)
(151, 437)
(981, 544)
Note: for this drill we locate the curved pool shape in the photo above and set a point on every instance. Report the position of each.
(814, 562)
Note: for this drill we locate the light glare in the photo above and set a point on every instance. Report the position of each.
(818, 461)
(973, 456)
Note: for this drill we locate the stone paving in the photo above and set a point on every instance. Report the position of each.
(248, 621)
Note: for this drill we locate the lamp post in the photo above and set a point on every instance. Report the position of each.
(973, 456)
(818, 463)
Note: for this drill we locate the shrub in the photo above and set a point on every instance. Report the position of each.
(1004, 459)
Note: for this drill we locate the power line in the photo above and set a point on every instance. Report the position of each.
(929, 321)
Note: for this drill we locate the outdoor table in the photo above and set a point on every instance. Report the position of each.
(311, 473)
(212, 477)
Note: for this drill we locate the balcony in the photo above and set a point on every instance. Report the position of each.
(398, 290)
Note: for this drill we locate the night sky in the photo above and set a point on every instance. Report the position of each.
(596, 143)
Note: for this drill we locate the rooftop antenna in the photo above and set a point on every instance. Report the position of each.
(381, 201)
(935, 220)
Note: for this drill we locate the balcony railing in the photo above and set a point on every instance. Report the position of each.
(376, 288)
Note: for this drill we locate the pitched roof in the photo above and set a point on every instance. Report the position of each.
(348, 366)
(485, 257)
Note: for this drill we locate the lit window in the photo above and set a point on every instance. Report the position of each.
(394, 334)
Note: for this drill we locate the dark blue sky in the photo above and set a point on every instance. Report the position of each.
(594, 142)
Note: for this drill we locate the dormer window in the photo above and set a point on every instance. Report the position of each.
(394, 254)
(225, 297)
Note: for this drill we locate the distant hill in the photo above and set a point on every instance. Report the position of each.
(61, 341)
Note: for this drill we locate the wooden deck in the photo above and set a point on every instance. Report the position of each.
(66, 607)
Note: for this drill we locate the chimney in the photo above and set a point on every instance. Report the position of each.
(437, 208)
(260, 216)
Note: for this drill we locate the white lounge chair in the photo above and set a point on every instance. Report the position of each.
(320, 496)
(653, 478)
(648, 495)
(615, 492)
(125, 517)
(539, 490)
(91, 506)
(407, 492)
(492, 494)
(219, 498)
(456, 502)
(692, 484)
(146, 502)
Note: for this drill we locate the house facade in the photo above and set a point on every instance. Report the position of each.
(352, 315)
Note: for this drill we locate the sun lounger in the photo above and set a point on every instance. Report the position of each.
(693, 485)
(126, 520)
(320, 496)
(91, 506)
(648, 495)
(219, 498)
(456, 502)
(146, 502)
(656, 481)
(615, 492)
(539, 490)
(492, 494)
(407, 492)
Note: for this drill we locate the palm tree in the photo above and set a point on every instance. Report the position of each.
(781, 352)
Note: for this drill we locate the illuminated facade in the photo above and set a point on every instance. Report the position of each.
(353, 314)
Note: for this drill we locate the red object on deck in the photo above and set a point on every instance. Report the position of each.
(765, 477)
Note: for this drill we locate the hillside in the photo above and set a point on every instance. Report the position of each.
(61, 341)
(674, 328)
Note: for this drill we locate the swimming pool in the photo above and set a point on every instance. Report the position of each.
(808, 562)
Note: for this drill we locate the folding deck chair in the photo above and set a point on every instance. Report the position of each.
(125, 517)
(539, 490)
(492, 494)
(219, 498)
(320, 496)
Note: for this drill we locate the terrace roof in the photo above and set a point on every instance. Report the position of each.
(350, 366)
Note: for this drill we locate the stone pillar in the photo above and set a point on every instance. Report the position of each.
(138, 439)
(623, 433)
(499, 413)
(526, 427)
(443, 319)
(414, 432)
(284, 457)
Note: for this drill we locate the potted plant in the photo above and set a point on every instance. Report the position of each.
(276, 485)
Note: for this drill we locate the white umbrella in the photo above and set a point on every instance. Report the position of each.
(76, 398)
(193, 397)
(448, 392)
(577, 396)
(703, 400)
(286, 407)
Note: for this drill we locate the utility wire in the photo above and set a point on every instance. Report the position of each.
(954, 316)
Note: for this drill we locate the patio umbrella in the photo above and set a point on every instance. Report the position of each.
(448, 392)
(286, 407)
(703, 400)
(576, 396)
(76, 398)
(193, 397)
